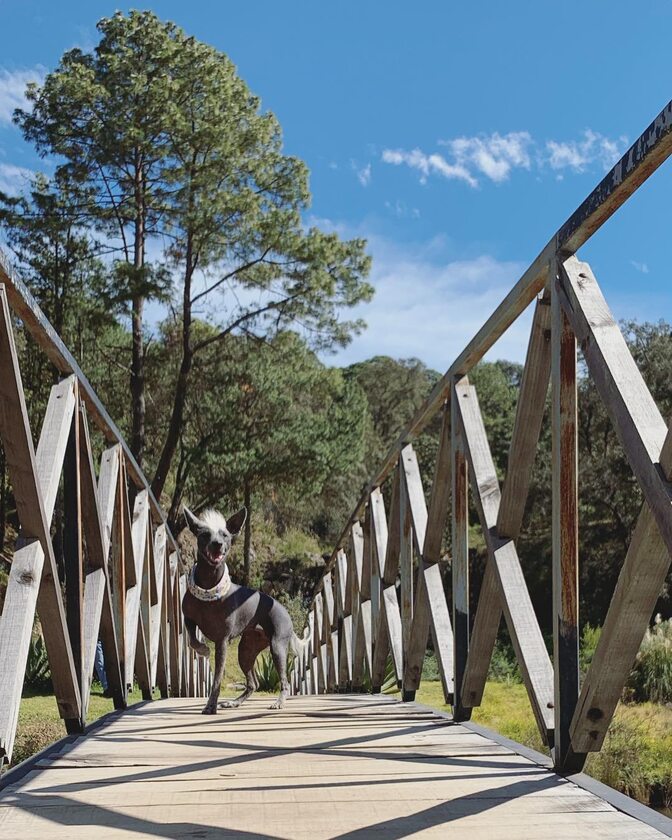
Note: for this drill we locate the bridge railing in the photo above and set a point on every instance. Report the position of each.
(123, 577)
(382, 592)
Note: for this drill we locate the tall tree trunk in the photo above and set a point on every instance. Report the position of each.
(182, 384)
(247, 543)
(138, 384)
(138, 354)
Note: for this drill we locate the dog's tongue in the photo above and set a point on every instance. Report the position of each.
(214, 555)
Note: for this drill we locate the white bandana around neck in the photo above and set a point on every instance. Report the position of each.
(214, 594)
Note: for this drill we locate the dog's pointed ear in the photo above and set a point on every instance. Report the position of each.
(235, 523)
(193, 523)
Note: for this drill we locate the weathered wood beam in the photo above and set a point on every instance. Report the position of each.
(523, 626)
(645, 155)
(565, 471)
(406, 568)
(98, 612)
(460, 551)
(421, 619)
(133, 594)
(527, 424)
(34, 477)
(633, 411)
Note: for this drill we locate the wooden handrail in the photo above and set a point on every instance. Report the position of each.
(570, 310)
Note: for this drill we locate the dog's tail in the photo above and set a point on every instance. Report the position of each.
(298, 645)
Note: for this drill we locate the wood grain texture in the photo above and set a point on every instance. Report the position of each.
(459, 529)
(639, 584)
(33, 476)
(527, 424)
(521, 620)
(340, 766)
(565, 532)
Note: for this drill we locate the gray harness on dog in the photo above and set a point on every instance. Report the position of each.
(214, 594)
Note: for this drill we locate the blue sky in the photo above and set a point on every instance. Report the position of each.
(455, 137)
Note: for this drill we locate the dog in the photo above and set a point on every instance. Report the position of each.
(222, 610)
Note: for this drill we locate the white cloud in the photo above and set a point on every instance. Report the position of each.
(430, 308)
(364, 175)
(401, 210)
(14, 178)
(579, 155)
(495, 156)
(427, 164)
(642, 267)
(13, 90)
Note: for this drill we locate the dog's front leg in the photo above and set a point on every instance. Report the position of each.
(200, 647)
(220, 662)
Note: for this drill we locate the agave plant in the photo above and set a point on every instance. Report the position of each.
(266, 673)
(38, 674)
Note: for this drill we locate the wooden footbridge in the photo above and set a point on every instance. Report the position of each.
(338, 762)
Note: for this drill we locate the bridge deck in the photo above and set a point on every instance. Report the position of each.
(325, 766)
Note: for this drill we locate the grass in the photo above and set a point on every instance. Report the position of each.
(40, 724)
(636, 758)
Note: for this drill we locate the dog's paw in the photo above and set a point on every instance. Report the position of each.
(209, 710)
(201, 649)
(277, 705)
(229, 704)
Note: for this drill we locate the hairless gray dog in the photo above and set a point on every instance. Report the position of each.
(222, 610)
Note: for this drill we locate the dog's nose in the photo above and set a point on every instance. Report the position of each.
(217, 546)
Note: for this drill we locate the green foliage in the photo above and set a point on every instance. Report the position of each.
(38, 673)
(651, 675)
(266, 673)
(590, 636)
(430, 667)
(503, 665)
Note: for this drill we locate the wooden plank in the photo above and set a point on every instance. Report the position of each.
(156, 608)
(98, 614)
(355, 568)
(133, 594)
(633, 411)
(73, 548)
(342, 587)
(33, 475)
(460, 550)
(523, 626)
(527, 424)
(483, 637)
(405, 564)
(389, 601)
(565, 472)
(377, 550)
(420, 622)
(16, 626)
(174, 628)
(640, 582)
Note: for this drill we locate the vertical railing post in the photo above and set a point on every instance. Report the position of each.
(565, 527)
(73, 549)
(460, 552)
(405, 568)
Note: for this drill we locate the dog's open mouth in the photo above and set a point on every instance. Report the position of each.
(213, 556)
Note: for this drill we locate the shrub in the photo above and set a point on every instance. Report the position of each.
(503, 665)
(430, 667)
(651, 676)
(590, 636)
